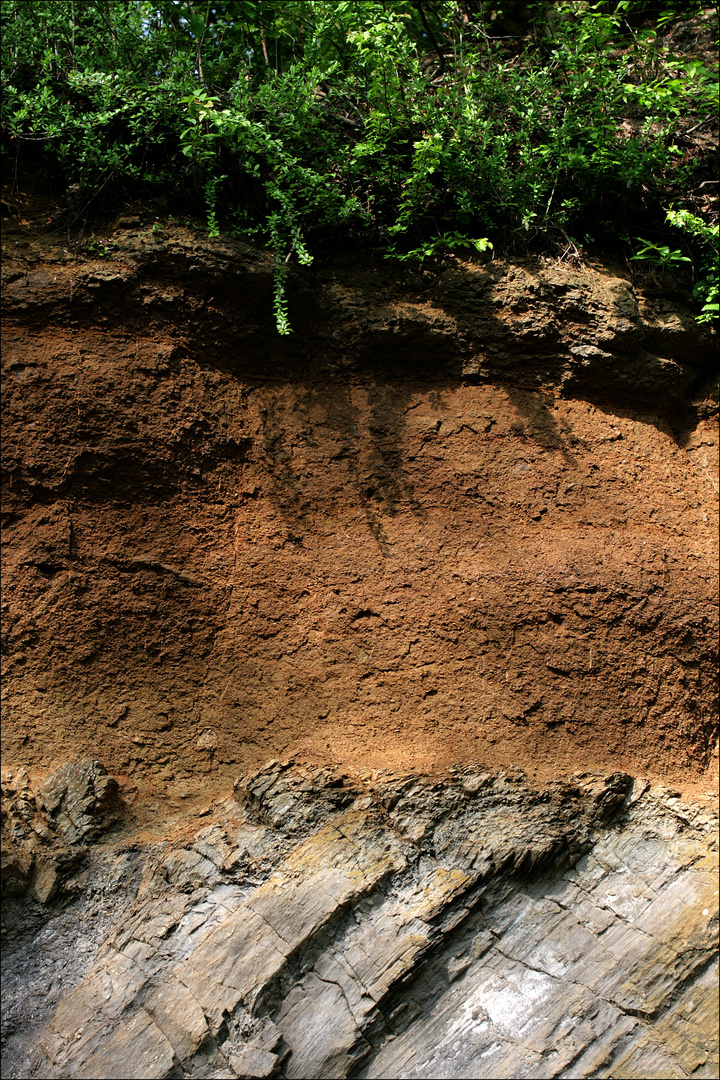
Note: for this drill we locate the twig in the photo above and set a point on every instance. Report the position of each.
(701, 124)
(430, 34)
(570, 244)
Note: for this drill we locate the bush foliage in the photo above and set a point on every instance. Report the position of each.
(424, 127)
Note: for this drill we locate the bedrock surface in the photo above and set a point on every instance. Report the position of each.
(315, 924)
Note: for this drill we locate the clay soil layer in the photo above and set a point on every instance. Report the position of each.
(216, 554)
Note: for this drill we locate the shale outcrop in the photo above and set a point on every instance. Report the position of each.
(323, 925)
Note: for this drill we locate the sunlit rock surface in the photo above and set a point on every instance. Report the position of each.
(318, 925)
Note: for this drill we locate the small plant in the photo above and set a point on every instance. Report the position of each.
(282, 322)
(660, 254)
(707, 289)
(441, 246)
(707, 293)
(210, 190)
(101, 247)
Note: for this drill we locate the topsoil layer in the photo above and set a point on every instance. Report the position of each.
(463, 519)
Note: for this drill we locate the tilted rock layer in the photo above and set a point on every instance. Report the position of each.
(471, 519)
(317, 925)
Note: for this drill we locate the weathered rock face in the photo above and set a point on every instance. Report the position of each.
(473, 520)
(42, 832)
(471, 926)
(445, 522)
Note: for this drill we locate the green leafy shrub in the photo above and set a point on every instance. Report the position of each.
(707, 288)
(417, 127)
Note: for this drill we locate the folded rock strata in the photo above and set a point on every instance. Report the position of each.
(471, 926)
(42, 831)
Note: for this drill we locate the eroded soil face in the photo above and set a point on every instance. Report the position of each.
(475, 524)
(463, 528)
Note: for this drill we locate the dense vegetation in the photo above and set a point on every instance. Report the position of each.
(422, 127)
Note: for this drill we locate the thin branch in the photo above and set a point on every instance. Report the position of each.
(701, 124)
(418, 5)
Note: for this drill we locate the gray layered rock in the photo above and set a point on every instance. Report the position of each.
(43, 831)
(399, 927)
(82, 800)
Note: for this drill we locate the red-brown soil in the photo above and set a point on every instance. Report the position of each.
(420, 532)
